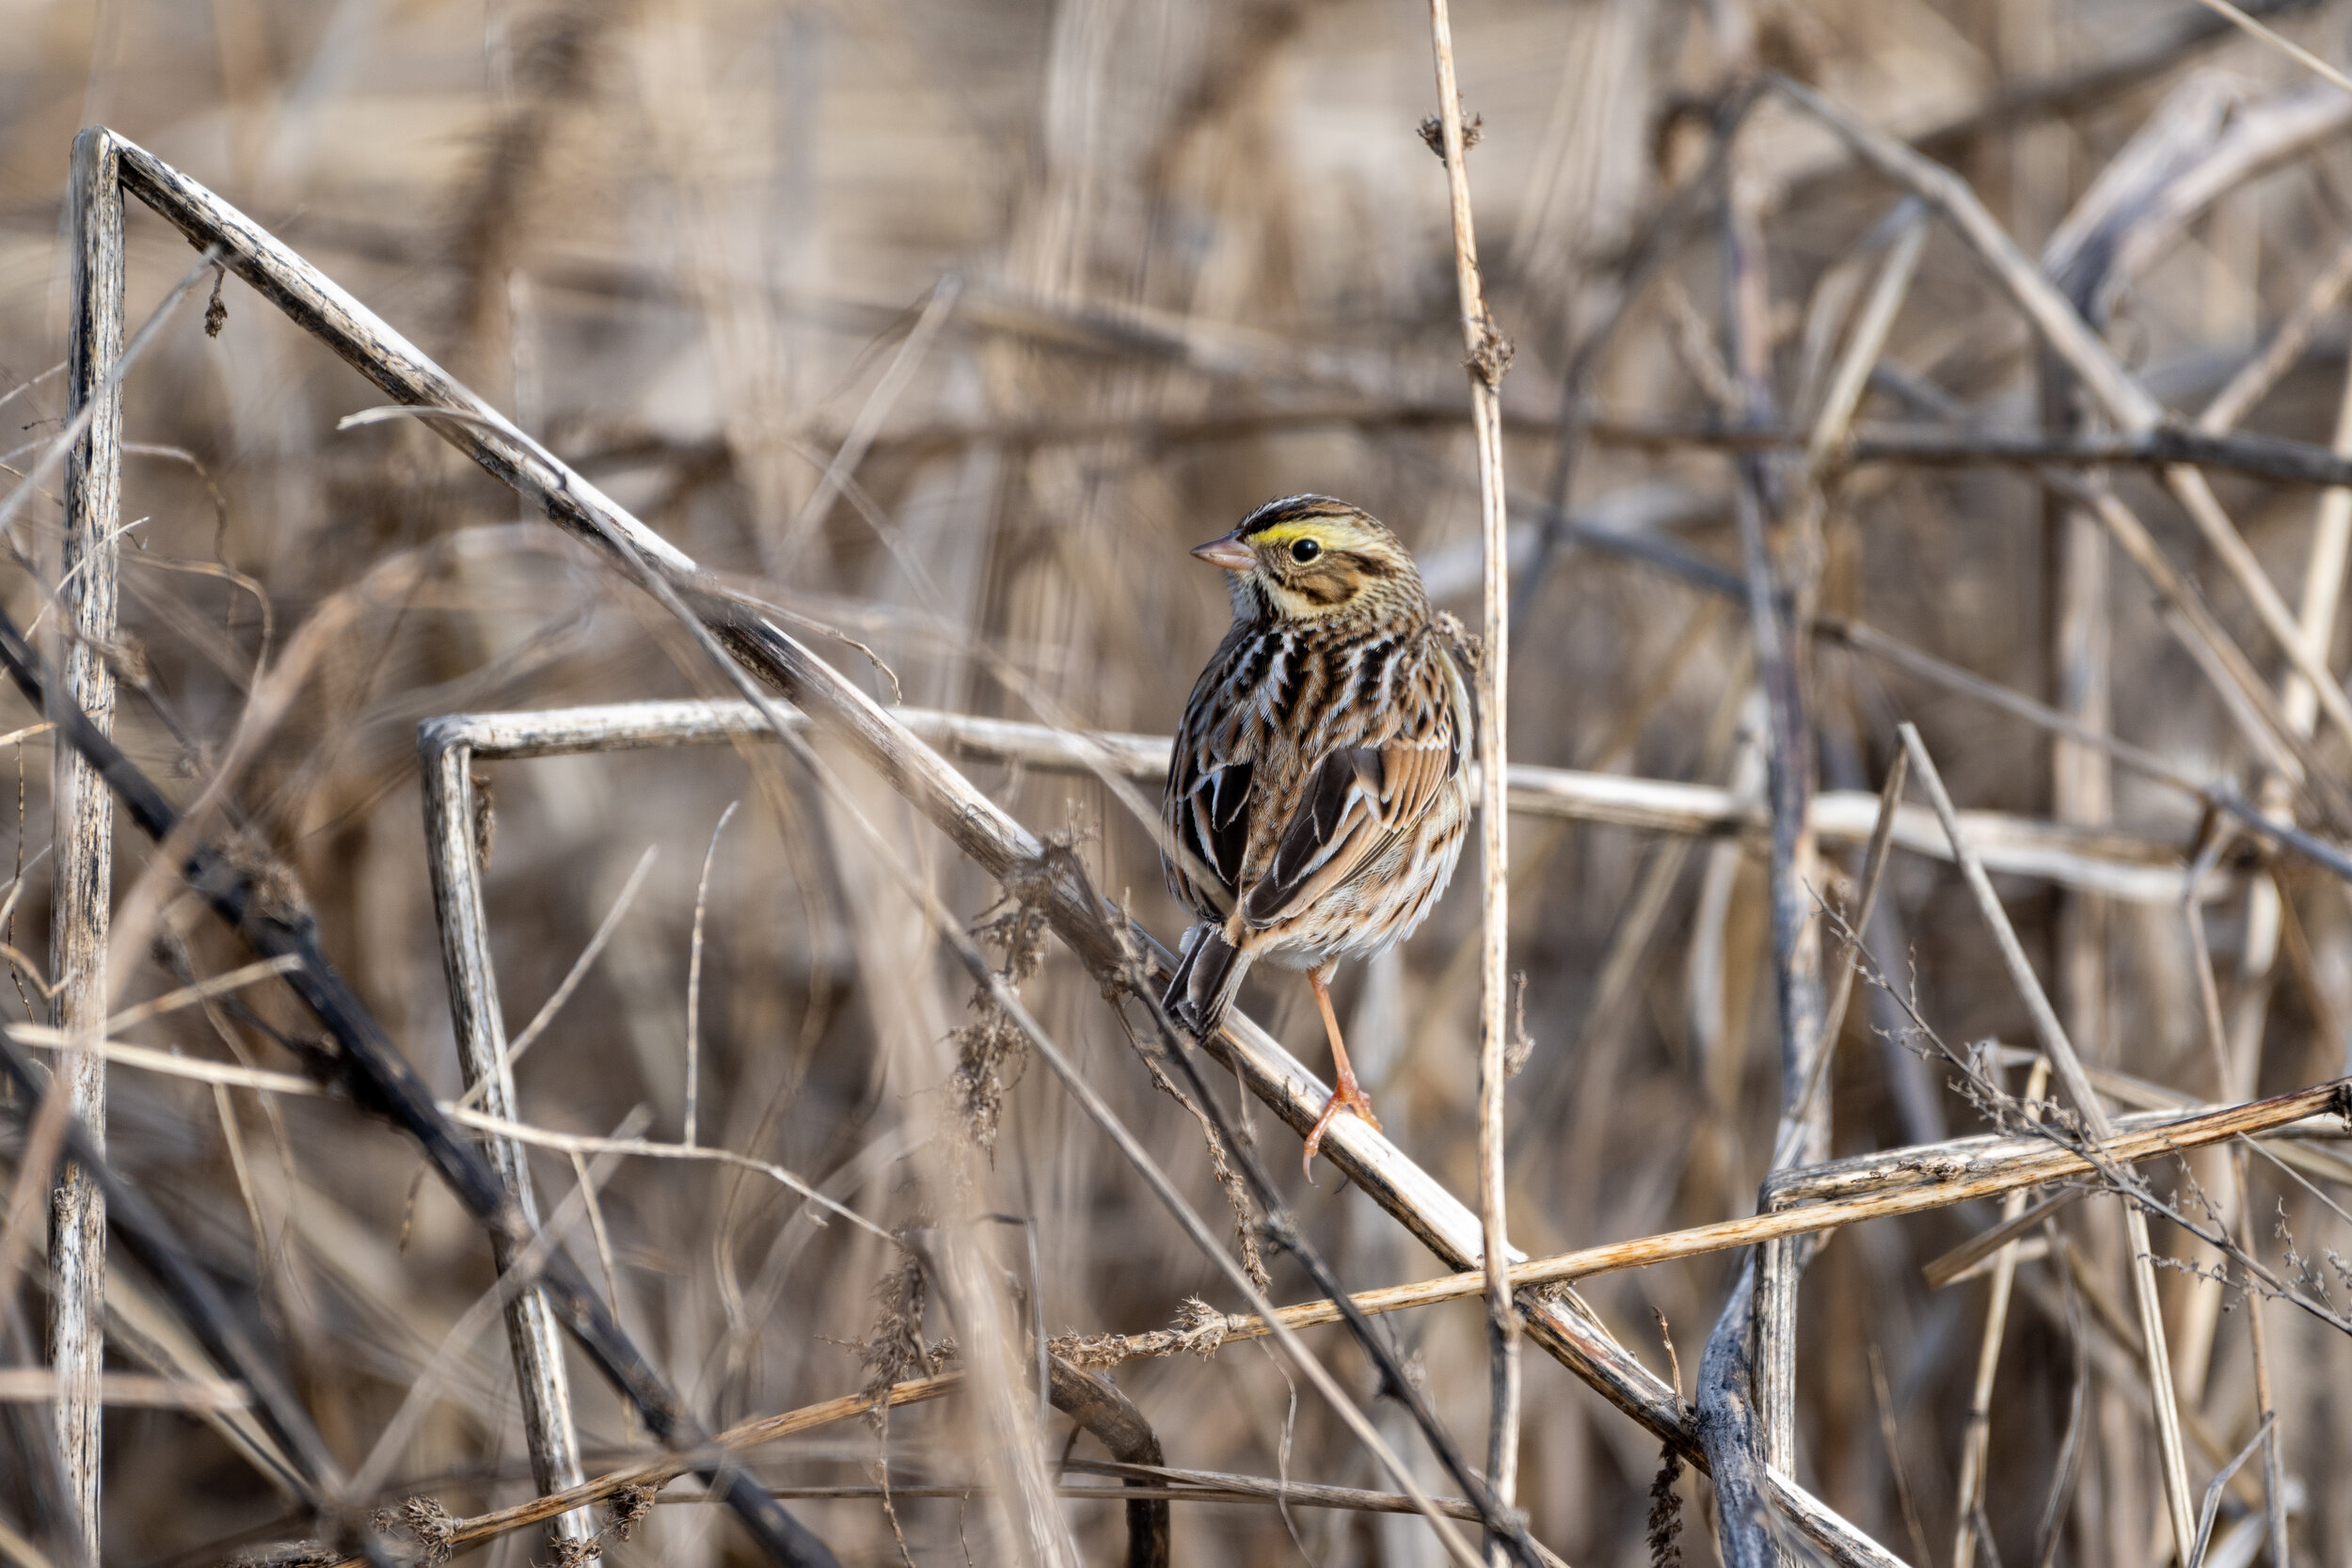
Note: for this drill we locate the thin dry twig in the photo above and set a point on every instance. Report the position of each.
(1487, 356)
(2095, 1121)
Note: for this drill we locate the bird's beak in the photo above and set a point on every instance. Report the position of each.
(1228, 552)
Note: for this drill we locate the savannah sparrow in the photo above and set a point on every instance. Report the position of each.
(1319, 794)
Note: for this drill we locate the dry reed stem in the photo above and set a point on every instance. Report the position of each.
(533, 1336)
(2115, 861)
(2087, 1104)
(1968, 1500)
(82, 813)
(2294, 51)
(1902, 1182)
(132, 1390)
(1487, 356)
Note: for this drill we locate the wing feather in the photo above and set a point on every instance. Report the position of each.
(1360, 799)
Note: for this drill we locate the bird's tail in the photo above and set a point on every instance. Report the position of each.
(1206, 978)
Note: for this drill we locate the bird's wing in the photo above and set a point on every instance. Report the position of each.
(1210, 813)
(1356, 800)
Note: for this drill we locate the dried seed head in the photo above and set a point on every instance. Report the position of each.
(424, 1521)
(1433, 132)
(895, 1350)
(630, 1504)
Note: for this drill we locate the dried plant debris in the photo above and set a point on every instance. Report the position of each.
(1662, 1528)
(1520, 1049)
(575, 1553)
(629, 1506)
(990, 1049)
(305, 1552)
(1201, 1330)
(894, 1349)
(423, 1521)
(1433, 132)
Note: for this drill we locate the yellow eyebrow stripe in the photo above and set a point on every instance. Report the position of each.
(1282, 534)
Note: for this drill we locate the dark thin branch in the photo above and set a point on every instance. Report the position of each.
(147, 1237)
(257, 898)
(1097, 1405)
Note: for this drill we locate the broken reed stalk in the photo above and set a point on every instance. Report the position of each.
(2250, 704)
(1904, 1181)
(2219, 796)
(1912, 1179)
(2087, 1104)
(452, 859)
(2266, 1407)
(1183, 1485)
(1099, 1408)
(82, 813)
(971, 820)
(1487, 356)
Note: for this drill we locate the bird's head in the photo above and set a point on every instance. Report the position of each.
(1310, 558)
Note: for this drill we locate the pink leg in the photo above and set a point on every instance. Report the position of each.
(1349, 1094)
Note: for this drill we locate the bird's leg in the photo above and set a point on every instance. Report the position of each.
(1349, 1096)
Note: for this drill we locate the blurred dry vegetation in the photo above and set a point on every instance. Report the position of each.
(1086, 280)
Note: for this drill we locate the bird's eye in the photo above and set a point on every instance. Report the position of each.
(1304, 550)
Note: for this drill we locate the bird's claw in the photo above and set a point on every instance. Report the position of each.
(1348, 1097)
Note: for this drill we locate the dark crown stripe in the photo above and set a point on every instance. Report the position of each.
(1292, 507)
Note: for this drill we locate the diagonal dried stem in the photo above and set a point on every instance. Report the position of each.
(2088, 1106)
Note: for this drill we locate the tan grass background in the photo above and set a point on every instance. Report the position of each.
(1187, 256)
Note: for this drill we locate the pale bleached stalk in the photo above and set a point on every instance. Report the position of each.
(2237, 1051)
(2069, 1068)
(695, 978)
(1803, 1133)
(2286, 46)
(189, 996)
(1977, 1436)
(1487, 356)
(2141, 868)
(82, 812)
(1902, 1182)
(533, 1336)
(2322, 597)
(2265, 1407)
(579, 972)
(261, 1080)
(146, 1391)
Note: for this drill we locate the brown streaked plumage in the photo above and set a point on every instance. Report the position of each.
(1319, 792)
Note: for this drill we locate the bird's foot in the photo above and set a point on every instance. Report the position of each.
(1348, 1097)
